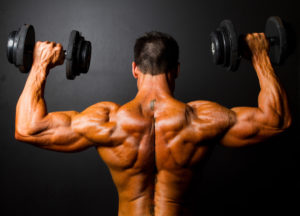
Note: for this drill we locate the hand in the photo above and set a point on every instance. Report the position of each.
(257, 43)
(48, 54)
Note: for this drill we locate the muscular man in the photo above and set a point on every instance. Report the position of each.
(153, 145)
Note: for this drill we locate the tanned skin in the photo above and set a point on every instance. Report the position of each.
(154, 144)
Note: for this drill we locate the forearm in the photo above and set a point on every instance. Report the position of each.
(31, 107)
(272, 100)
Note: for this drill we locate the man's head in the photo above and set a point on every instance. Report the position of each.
(156, 53)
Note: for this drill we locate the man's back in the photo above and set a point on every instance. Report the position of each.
(155, 149)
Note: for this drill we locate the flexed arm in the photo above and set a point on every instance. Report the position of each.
(59, 131)
(272, 116)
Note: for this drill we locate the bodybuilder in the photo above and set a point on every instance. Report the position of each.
(153, 145)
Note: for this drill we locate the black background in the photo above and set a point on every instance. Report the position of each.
(257, 180)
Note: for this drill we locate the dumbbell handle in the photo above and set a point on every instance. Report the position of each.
(65, 53)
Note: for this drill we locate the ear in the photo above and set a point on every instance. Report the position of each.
(134, 70)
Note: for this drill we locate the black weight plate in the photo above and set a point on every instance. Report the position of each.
(85, 56)
(216, 47)
(15, 47)
(71, 64)
(275, 29)
(25, 46)
(232, 62)
(10, 46)
(78, 56)
(226, 47)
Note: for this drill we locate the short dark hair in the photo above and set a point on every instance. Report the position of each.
(156, 53)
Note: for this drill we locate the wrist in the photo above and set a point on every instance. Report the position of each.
(40, 68)
(261, 62)
(260, 56)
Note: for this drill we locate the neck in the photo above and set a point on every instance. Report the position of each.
(154, 87)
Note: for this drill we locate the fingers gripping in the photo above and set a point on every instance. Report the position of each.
(257, 42)
(49, 53)
(59, 54)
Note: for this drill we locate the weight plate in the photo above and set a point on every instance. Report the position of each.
(85, 56)
(24, 48)
(275, 32)
(15, 47)
(78, 56)
(216, 47)
(231, 45)
(226, 45)
(71, 64)
(10, 46)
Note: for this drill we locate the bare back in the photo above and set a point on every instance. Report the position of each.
(155, 152)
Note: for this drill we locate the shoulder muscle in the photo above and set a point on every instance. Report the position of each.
(95, 122)
(215, 118)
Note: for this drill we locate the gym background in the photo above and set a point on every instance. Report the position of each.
(257, 180)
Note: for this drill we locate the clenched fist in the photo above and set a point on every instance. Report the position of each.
(49, 54)
(257, 43)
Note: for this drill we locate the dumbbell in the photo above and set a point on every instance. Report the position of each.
(227, 47)
(21, 43)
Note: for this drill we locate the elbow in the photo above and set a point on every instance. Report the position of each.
(22, 134)
(284, 123)
(287, 123)
(27, 132)
(18, 136)
(279, 122)
(286, 120)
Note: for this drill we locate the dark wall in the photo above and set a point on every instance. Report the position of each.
(262, 179)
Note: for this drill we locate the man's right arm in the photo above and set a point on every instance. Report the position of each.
(65, 131)
(272, 116)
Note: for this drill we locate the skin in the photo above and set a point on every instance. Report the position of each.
(153, 145)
